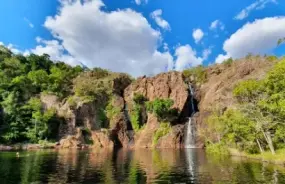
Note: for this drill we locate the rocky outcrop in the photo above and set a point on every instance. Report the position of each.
(144, 138)
(216, 93)
(169, 85)
(165, 85)
(80, 115)
(174, 139)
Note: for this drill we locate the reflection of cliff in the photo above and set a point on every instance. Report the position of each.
(139, 166)
(156, 163)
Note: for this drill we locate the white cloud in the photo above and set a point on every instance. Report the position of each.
(207, 53)
(54, 49)
(217, 24)
(257, 5)
(186, 58)
(258, 37)
(13, 48)
(139, 2)
(84, 32)
(221, 58)
(197, 35)
(29, 22)
(156, 15)
(121, 41)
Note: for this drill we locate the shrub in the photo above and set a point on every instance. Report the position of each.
(163, 130)
(247, 90)
(135, 117)
(71, 101)
(139, 98)
(217, 149)
(271, 58)
(228, 62)
(199, 74)
(102, 118)
(96, 84)
(112, 111)
(161, 108)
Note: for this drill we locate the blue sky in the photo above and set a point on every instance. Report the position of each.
(127, 36)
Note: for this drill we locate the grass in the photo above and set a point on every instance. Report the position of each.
(267, 156)
(199, 73)
(163, 130)
(220, 149)
(278, 158)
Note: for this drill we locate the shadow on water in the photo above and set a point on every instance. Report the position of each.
(139, 166)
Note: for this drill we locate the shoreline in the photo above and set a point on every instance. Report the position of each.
(259, 157)
(27, 146)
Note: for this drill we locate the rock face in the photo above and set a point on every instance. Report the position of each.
(165, 85)
(169, 85)
(215, 93)
(87, 115)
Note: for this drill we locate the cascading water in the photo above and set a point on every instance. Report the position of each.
(191, 130)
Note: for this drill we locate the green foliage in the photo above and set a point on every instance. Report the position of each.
(135, 117)
(39, 79)
(217, 149)
(247, 90)
(257, 124)
(228, 62)
(111, 110)
(272, 58)
(72, 101)
(95, 84)
(163, 130)
(103, 119)
(139, 98)
(137, 110)
(199, 73)
(232, 128)
(22, 79)
(162, 109)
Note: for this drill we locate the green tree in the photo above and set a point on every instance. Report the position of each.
(162, 108)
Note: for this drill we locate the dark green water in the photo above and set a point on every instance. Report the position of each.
(141, 166)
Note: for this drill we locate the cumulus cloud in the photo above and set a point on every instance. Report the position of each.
(55, 50)
(186, 58)
(121, 40)
(258, 37)
(217, 24)
(139, 2)
(221, 58)
(197, 34)
(257, 5)
(156, 15)
(83, 32)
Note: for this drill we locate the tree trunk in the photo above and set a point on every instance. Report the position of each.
(259, 145)
(268, 139)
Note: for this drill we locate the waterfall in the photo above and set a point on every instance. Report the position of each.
(191, 130)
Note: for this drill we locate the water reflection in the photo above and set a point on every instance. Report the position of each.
(140, 166)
